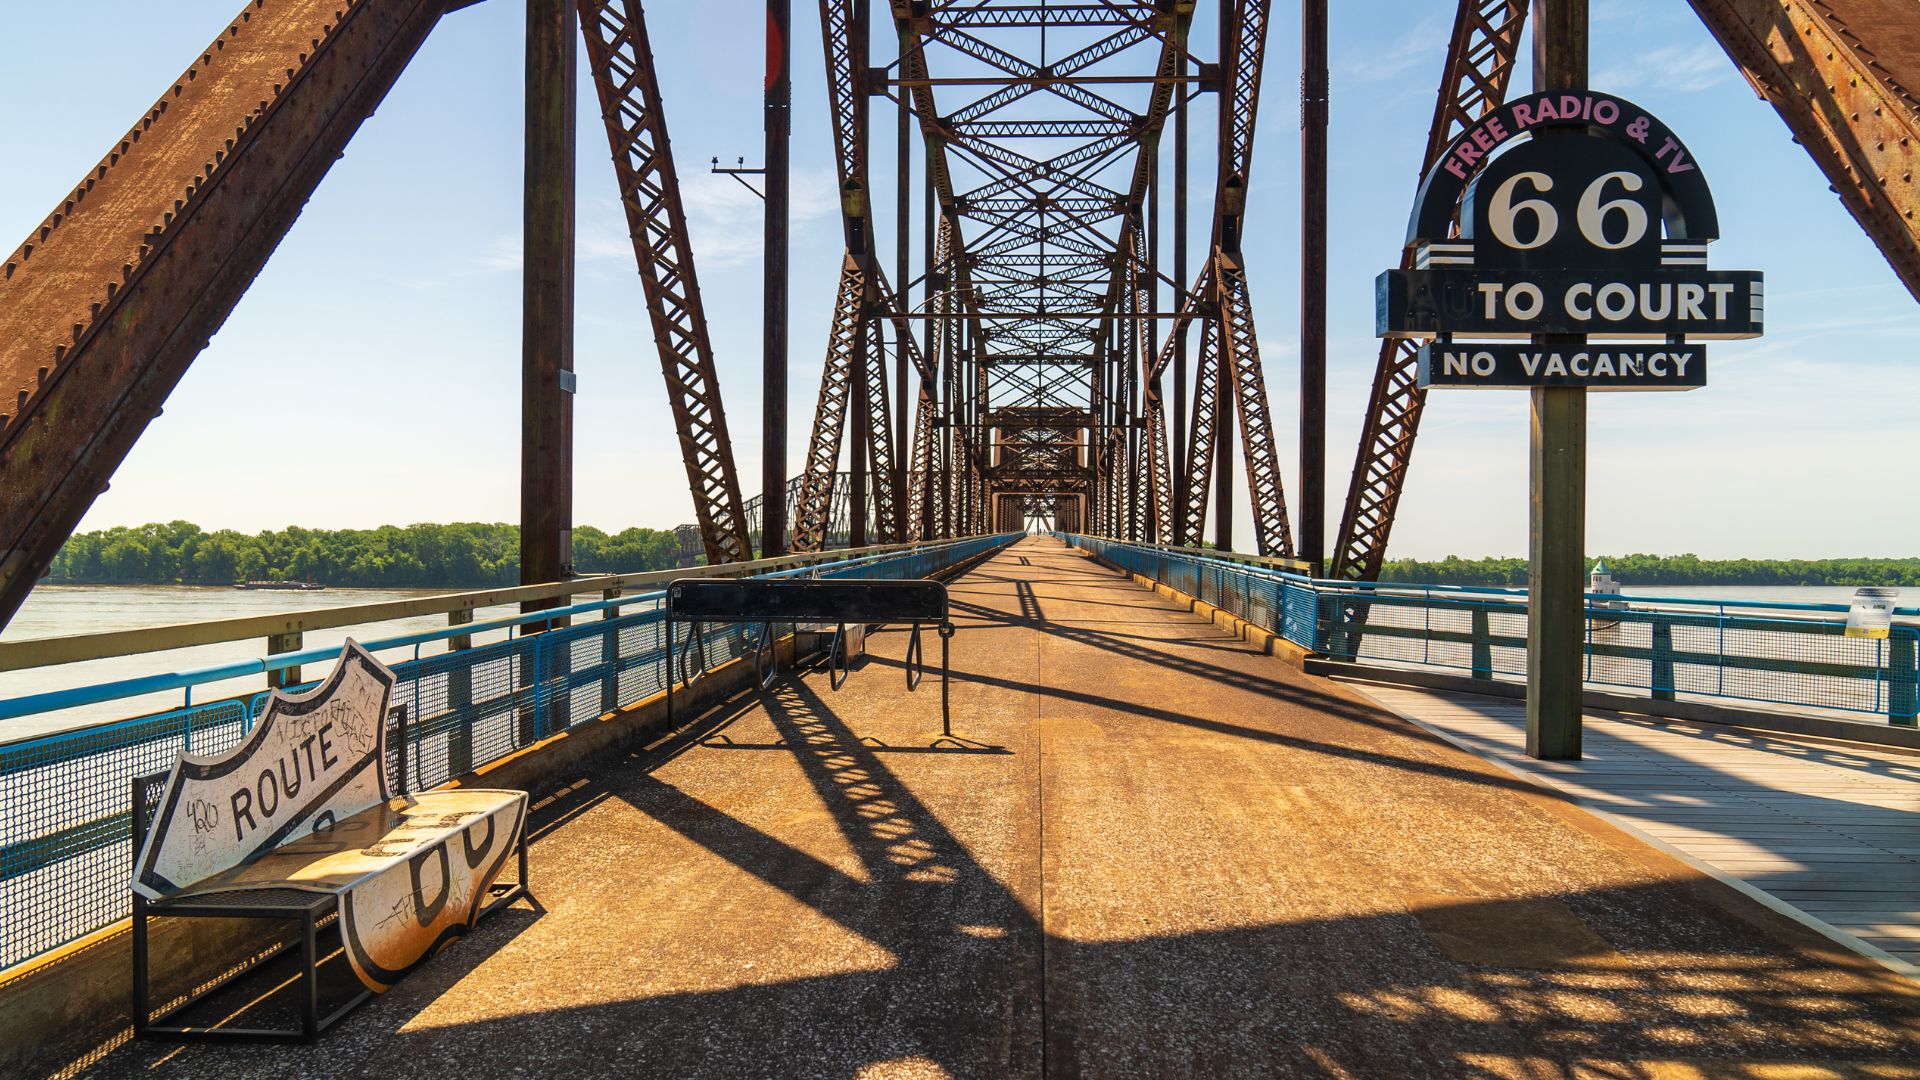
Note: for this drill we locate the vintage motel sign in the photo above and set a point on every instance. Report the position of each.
(1600, 231)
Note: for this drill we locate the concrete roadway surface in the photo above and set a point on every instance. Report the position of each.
(1155, 853)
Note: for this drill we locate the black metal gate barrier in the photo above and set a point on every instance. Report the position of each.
(704, 600)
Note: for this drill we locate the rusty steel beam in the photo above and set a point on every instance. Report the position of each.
(1479, 68)
(108, 301)
(1240, 348)
(620, 58)
(1203, 445)
(1843, 74)
(879, 450)
(1241, 360)
(546, 305)
(810, 518)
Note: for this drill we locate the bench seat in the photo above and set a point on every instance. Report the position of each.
(299, 823)
(407, 873)
(362, 846)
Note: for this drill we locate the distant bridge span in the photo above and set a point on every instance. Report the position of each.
(1051, 352)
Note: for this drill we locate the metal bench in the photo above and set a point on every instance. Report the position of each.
(299, 824)
(839, 603)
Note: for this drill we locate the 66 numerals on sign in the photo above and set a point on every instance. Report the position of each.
(1599, 231)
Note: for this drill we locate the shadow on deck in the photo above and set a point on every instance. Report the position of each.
(1158, 853)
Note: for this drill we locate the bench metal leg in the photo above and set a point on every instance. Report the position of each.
(946, 679)
(310, 981)
(311, 1022)
(515, 890)
(142, 1006)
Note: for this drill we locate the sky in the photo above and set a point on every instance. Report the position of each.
(371, 373)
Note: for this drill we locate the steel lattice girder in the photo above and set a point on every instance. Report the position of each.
(1241, 359)
(621, 60)
(1480, 58)
(879, 448)
(1037, 212)
(830, 414)
(1230, 358)
(106, 304)
(1843, 74)
(1207, 387)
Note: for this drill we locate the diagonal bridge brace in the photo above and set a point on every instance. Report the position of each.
(108, 301)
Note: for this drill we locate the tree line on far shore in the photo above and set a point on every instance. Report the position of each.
(459, 555)
(1668, 570)
(480, 555)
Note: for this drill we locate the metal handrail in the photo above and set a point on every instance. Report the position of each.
(1257, 564)
(97, 693)
(72, 648)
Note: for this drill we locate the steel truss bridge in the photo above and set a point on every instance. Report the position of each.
(1052, 354)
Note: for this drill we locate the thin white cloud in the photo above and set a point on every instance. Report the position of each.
(501, 253)
(1422, 43)
(1677, 69)
(725, 219)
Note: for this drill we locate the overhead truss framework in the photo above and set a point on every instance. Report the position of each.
(1035, 364)
(1042, 345)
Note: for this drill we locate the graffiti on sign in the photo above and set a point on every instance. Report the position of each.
(313, 759)
(303, 803)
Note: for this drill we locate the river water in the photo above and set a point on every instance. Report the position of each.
(61, 610)
(56, 610)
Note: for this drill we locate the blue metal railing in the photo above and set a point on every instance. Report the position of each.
(1746, 650)
(64, 829)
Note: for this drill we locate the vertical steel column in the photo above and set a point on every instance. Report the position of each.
(1151, 394)
(1223, 415)
(1313, 282)
(858, 32)
(1557, 517)
(860, 450)
(933, 484)
(1180, 465)
(902, 260)
(773, 439)
(546, 338)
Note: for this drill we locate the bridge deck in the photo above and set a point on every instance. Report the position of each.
(1828, 827)
(1161, 854)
